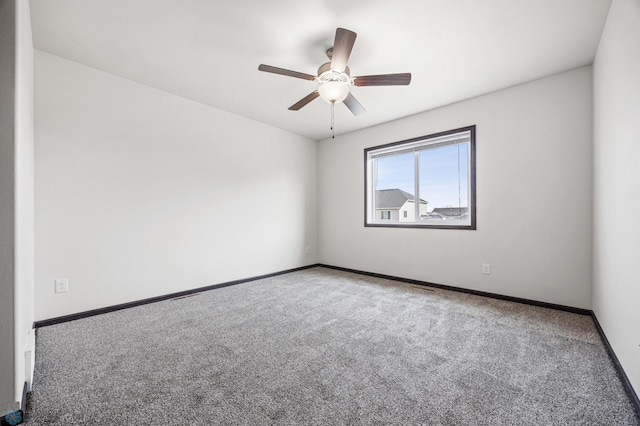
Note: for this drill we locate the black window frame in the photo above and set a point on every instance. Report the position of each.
(472, 181)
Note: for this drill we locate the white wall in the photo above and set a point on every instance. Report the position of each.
(140, 193)
(24, 231)
(534, 196)
(616, 289)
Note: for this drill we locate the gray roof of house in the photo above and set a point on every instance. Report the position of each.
(450, 211)
(393, 198)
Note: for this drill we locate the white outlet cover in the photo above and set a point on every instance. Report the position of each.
(486, 268)
(61, 285)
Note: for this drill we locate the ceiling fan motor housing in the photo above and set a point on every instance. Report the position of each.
(325, 73)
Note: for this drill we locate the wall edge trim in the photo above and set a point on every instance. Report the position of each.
(626, 383)
(555, 306)
(132, 304)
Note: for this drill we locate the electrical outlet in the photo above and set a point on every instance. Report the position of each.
(486, 268)
(62, 285)
(307, 250)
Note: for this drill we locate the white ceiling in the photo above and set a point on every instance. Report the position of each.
(209, 50)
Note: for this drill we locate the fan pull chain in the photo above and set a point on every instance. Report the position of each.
(333, 132)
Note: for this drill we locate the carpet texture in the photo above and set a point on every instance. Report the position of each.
(323, 347)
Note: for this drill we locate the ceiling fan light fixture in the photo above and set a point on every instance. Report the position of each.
(333, 92)
(334, 77)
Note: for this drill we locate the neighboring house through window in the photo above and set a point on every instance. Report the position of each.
(439, 168)
(397, 205)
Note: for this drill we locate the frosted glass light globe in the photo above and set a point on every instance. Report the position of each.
(333, 91)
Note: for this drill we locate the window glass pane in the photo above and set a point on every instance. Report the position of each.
(444, 184)
(394, 182)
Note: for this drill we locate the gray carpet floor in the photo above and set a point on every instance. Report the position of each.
(320, 347)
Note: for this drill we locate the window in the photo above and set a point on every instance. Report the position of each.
(438, 168)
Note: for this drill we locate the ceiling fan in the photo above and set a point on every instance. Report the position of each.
(334, 78)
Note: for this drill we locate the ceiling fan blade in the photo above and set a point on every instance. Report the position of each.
(383, 80)
(342, 49)
(288, 73)
(302, 102)
(354, 106)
